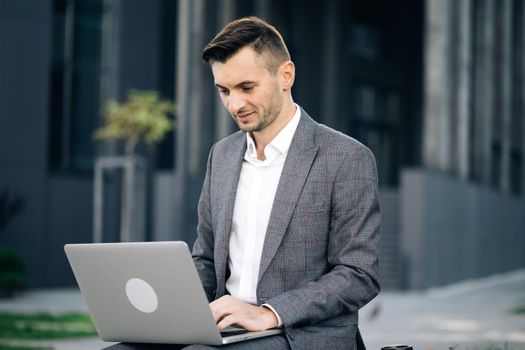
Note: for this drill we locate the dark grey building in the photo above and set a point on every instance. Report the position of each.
(435, 88)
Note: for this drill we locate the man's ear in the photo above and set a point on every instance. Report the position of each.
(287, 73)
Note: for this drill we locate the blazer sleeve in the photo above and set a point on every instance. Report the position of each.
(352, 279)
(203, 249)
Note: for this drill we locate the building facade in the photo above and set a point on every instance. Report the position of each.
(435, 88)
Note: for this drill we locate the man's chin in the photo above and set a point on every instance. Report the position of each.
(247, 127)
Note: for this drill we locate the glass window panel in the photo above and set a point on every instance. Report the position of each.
(495, 173)
(56, 115)
(166, 149)
(392, 108)
(375, 113)
(365, 41)
(75, 83)
(364, 102)
(386, 157)
(516, 171)
(84, 116)
(87, 41)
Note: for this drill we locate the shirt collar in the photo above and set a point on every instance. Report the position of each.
(281, 142)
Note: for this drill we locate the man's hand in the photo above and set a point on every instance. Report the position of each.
(229, 311)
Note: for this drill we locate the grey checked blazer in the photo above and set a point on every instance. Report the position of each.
(319, 260)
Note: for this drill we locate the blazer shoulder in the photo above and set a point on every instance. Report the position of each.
(334, 141)
(224, 144)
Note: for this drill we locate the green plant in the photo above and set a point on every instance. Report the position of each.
(518, 310)
(45, 326)
(12, 269)
(23, 347)
(143, 116)
(12, 272)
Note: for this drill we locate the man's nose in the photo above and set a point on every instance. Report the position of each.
(235, 103)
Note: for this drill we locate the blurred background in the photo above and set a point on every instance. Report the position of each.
(434, 87)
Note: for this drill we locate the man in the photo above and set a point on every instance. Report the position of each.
(289, 213)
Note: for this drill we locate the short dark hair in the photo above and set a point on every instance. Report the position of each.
(262, 37)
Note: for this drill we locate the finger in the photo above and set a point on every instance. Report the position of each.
(223, 306)
(227, 321)
(218, 311)
(217, 301)
(222, 302)
(221, 317)
(219, 314)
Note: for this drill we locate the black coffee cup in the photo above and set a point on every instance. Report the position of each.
(397, 347)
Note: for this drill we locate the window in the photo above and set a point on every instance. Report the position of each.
(381, 70)
(365, 41)
(76, 73)
(168, 21)
(375, 117)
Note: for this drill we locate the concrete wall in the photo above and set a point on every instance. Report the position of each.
(163, 208)
(69, 220)
(453, 230)
(24, 82)
(390, 263)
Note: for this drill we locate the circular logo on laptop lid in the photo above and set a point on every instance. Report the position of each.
(141, 295)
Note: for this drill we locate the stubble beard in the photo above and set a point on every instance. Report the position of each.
(268, 116)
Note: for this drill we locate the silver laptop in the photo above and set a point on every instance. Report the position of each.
(147, 292)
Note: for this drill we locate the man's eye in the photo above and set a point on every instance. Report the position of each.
(247, 88)
(223, 91)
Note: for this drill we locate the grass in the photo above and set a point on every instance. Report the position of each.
(518, 310)
(22, 347)
(45, 326)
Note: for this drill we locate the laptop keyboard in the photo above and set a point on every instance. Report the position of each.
(230, 331)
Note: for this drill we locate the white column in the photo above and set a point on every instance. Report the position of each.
(224, 123)
(262, 9)
(436, 95)
(488, 93)
(330, 63)
(464, 87)
(522, 97)
(189, 98)
(506, 94)
(196, 87)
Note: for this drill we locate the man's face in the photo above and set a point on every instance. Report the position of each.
(251, 94)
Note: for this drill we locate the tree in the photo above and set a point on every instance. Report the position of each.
(143, 117)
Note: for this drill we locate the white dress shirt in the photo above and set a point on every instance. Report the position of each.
(256, 190)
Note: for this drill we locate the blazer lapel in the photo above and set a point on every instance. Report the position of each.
(231, 164)
(295, 172)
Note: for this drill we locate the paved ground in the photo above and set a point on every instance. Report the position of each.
(472, 315)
